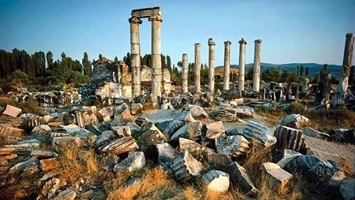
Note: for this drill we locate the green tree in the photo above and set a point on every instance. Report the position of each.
(87, 65)
(250, 73)
(49, 57)
(100, 56)
(168, 62)
(307, 72)
(116, 59)
(301, 71)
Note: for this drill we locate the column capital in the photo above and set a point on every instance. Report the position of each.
(211, 42)
(258, 41)
(227, 42)
(135, 20)
(242, 41)
(197, 44)
(349, 34)
(155, 18)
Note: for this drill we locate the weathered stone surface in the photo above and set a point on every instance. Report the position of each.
(43, 154)
(193, 147)
(50, 187)
(104, 138)
(216, 180)
(198, 112)
(214, 129)
(234, 145)
(12, 111)
(122, 111)
(68, 194)
(134, 161)
(323, 155)
(120, 145)
(290, 138)
(225, 113)
(181, 132)
(164, 153)
(106, 113)
(347, 190)
(311, 168)
(151, 135)
(133, 126)
(258, 133)
(279, 176)
(241, 179)
(296, 121)
(49, 164)
(314, 133)
(41, 129)
(288, 156)
(7, 130)
(343, 135)
(218, 161)
(336, 179)
(20, 167)
(185, 166)
(8, 157)
(194, 130)
(122, 131)
(61, 142)
(244, 111)
(136, 108)
(233, 131)
(178, 122)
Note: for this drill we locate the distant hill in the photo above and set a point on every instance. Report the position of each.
(314, 68)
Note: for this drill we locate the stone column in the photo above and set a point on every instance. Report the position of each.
(135, 56)
(227, 55)
(211, 66)
(156, 58)
(185, 68)
(241, 78)
(347, 62)
(197, 68)
(256, 78)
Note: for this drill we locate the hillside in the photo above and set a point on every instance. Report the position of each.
(314, 68)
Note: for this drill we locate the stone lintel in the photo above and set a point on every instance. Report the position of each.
(146, 12)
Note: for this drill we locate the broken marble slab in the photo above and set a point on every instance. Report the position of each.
(314, 133)
(163, 153)
(288, 156)
(216, 180)
(244, 111)
(278, 176)
(311, 168)
(347, 190)
(68, 194)
(50, 187)
(20, 167)
(122, 131)
(193, 147)
(194, 130)
(12, 111)
(233, 145)
(290, 138)
(255, 132)
(106, 113)
(296, 121)
(134, 161)
(136, 108)
(120, 146)
(214, 130)
(185, 166)
(179, 121)
(151, 135)
(43, 154)
(197, 112)
(241, 179)
(218, 161)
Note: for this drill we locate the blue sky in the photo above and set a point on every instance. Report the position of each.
(291, 31)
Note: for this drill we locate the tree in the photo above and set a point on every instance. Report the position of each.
(307, 72)
(250, 73)
(49, 57)
(301, 71)
(116, 59)
(100, 56)
(168, 62)
(87, 65)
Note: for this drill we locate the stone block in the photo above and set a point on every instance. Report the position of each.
(216, 180)
(234, 145)
(278, 176)
(255, 132)
(135, 160)
(185, 166)
(241, 179)
(214, 129)
(12, 111)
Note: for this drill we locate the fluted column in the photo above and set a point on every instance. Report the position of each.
(185, 69)
(227, 46)
(256, 77)
(211, 66)
(197, 68)
(135, 56)
(241, 78)
(156, 57)
(347, 62)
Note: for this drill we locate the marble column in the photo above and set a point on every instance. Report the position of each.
(156, 57)
(347, 62)
(256, 77)
(135, 56)
(227, 55)
(241, 72)
(185, 68)
(211, 66)
(197, 68)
